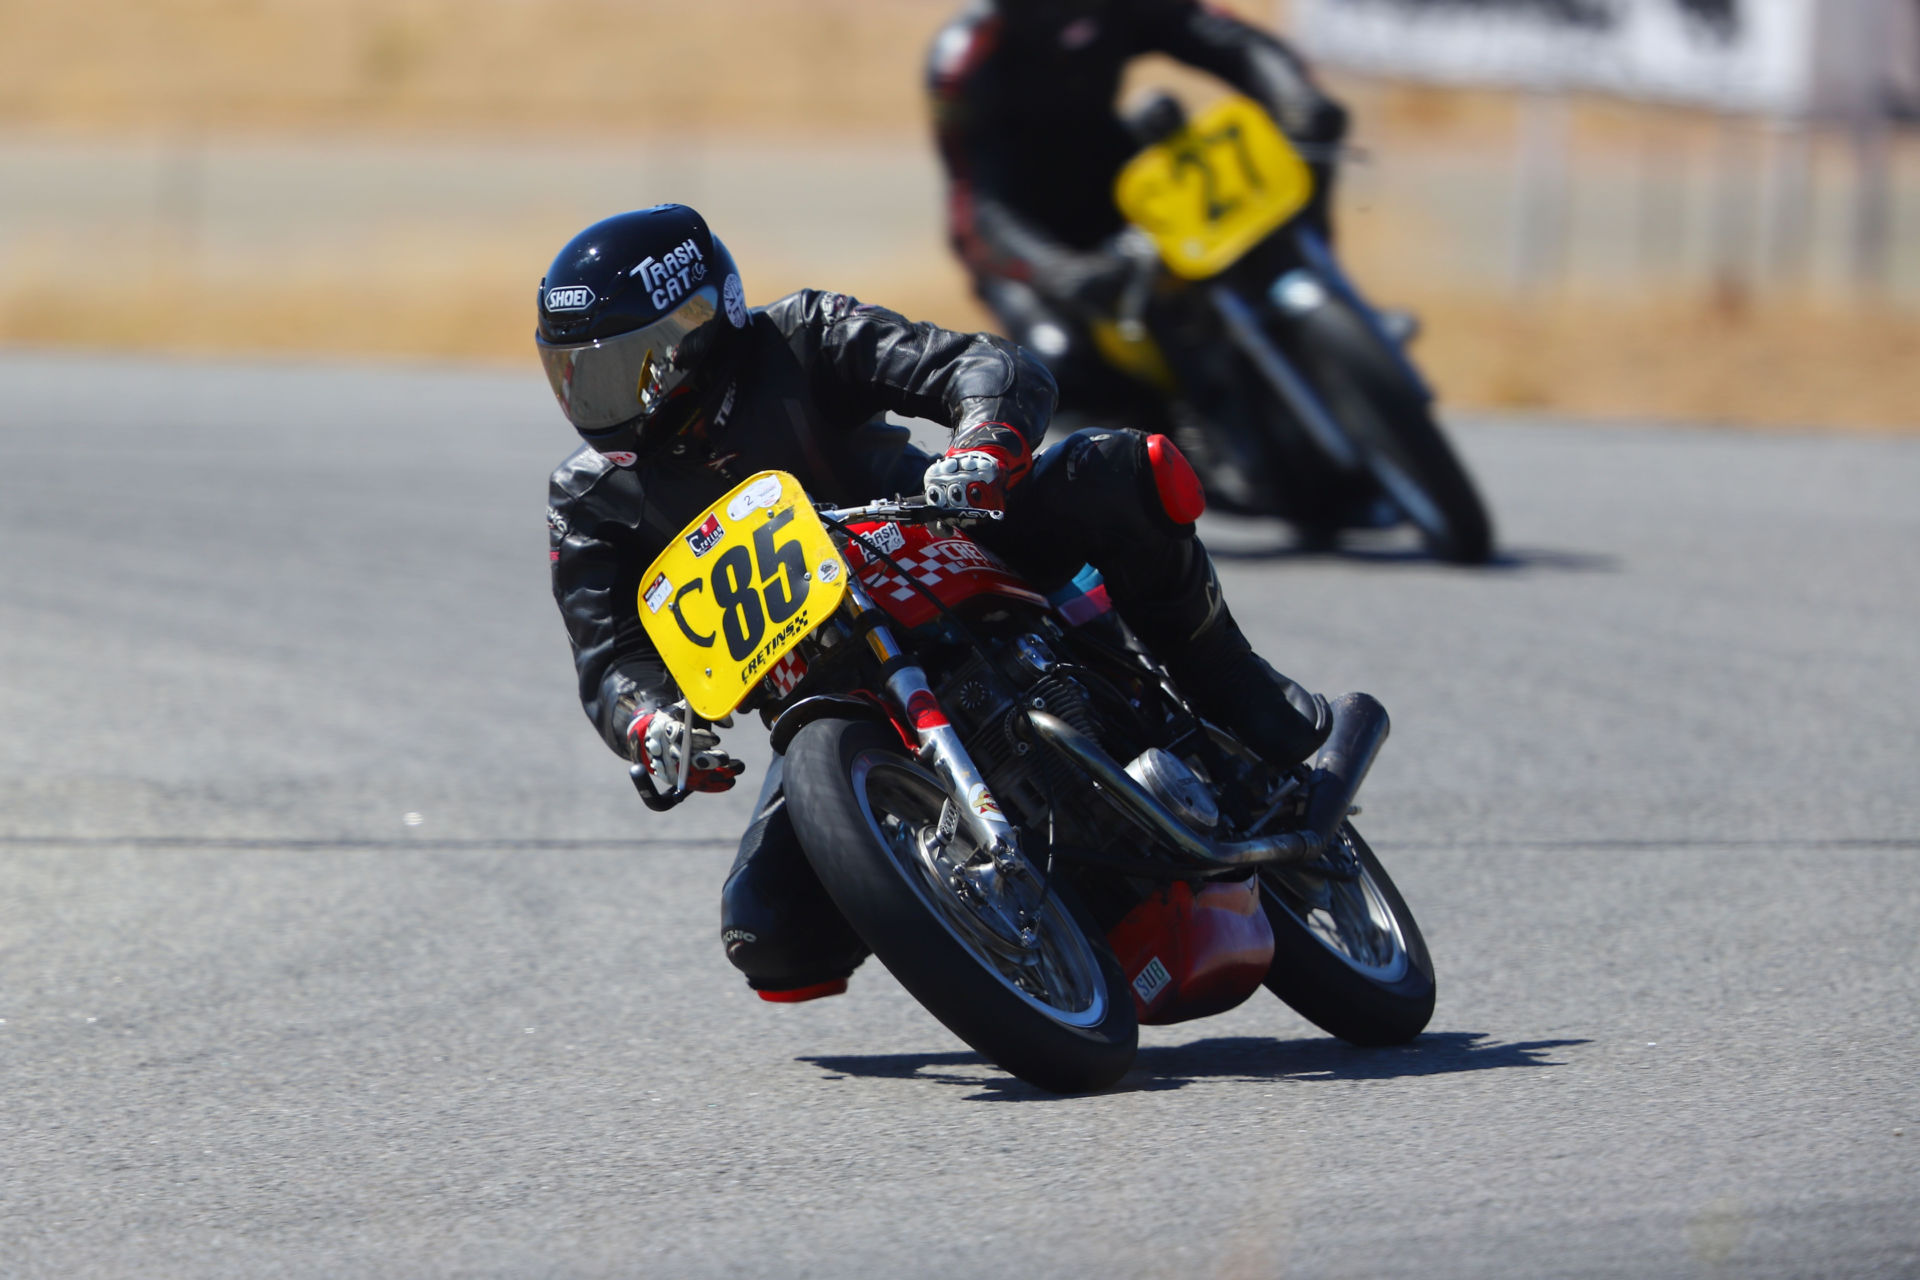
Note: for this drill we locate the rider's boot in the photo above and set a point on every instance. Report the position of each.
(1190, 630)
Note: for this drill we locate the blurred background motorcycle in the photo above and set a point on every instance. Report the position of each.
(1291, 394)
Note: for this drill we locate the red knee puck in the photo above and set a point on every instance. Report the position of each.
(1180, 494)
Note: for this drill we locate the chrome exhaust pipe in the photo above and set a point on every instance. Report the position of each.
(1284, 848)
(1360, 727)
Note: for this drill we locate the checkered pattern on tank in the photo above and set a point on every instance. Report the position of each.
(929, 564)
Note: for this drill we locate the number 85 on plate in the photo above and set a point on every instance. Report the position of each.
(742, 584)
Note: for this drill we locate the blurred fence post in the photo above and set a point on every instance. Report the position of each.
(1661, 206)
(180, 202)
(1789, 199)
(1872, 199)
(1868, 109)
(1733, 209)
(1540, 191)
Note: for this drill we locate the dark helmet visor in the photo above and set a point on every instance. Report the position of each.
(627, 380)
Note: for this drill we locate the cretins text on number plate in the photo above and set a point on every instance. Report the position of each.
(744, 583)
(1215, 189)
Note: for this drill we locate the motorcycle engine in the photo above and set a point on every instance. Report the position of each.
(1168, 779)
(987, 701)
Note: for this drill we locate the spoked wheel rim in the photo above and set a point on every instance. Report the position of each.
(1012, 927)
(1347, 914)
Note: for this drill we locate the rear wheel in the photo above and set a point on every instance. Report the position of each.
(1347, 955)
(1011, 964)
(1371, 394)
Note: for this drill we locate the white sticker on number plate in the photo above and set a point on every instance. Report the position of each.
(657, 592)
(763, 492)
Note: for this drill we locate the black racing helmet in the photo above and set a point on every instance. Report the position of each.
(639, 317)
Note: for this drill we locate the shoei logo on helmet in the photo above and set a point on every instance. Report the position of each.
(672, 275)
(571, 297)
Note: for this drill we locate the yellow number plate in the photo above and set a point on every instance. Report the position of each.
(739, 587)
(1215, 189)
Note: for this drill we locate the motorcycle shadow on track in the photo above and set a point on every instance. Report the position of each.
(1255, 546)
(1510, 560)
(1247, 1059)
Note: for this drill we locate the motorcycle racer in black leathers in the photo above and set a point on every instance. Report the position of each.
(680, 392)
(1023, 95)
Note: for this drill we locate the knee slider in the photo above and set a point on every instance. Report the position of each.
(1173, 479)
(785, 953)
(777, 923)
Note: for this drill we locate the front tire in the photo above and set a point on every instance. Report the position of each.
(1390, 417)
(1347, 954)
(1057, 1013)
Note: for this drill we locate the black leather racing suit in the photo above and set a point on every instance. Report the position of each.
(813, 371)
(1023, 102)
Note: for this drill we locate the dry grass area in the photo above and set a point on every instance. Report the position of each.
(1786, 365)
(533, 67)
(805, 70)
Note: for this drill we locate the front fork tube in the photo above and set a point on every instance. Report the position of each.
(940, 746)
(1321, 260)
(1309, 410)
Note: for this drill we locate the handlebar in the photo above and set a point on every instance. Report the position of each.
(904, 511)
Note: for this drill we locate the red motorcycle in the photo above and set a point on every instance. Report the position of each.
(1011, 803)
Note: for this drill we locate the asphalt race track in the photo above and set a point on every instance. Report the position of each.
(1651, 791)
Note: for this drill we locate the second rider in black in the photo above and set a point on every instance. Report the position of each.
(1023, 95)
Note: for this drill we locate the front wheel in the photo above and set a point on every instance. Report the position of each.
(1347, 955)
(1011, 964)
(1389, 416)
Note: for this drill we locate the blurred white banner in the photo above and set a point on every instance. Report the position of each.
(1788, 57)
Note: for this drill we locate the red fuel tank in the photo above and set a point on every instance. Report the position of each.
(953, 567)
(1191, 954)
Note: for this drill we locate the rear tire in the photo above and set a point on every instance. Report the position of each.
(1389, 415)
(1058, 1014)
(1347, 954)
